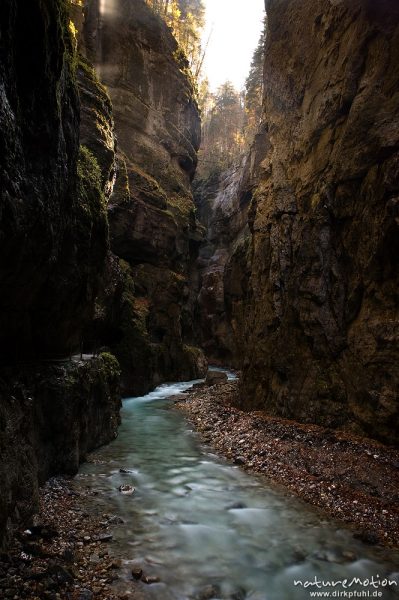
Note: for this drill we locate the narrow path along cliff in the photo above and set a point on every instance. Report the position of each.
(153, 223)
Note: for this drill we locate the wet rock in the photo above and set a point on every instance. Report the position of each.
(240, 460)
(367, 537)
(115, 520)
(128, 490)
(208, 592)
(137, 573)
(104, 537)
(236, 506)
(149, 579)
(239, 594)
(349, 556)
(126, 471)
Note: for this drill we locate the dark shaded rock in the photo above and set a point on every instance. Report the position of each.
(61, 574)
(367, 537)
(137, 573)
(40, 531)
(104, 537)
(55, 416)
(53, 223)
(85, 595)
(208, 592)
(115, 520)
(236, 506)
(215, 377)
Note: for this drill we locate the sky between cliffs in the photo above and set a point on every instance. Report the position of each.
(236, 26)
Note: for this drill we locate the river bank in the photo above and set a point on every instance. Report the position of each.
(65, 554)
(353, 479)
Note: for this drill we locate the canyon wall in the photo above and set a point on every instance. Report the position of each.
(222, 204)
(53, 222)
(147, 304)
(316, 325)
(53, 253)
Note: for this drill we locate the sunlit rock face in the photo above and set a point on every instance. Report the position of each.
(318, 320)
(153, 228)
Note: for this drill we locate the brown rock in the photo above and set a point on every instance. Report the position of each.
(310, 278)
(215, 377)
(137, 573)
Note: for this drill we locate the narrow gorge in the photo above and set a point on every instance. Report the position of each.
(127, 262)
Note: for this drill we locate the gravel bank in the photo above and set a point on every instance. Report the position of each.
(66, 553)
(353, 479)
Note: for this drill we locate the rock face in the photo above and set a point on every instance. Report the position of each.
(50, 418)
(53, 250)
(317, 323)
(223, 263)
(53, 226)
(145, 311)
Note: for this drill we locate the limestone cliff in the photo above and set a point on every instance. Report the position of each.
(50, 418)
(318, 321)
(53, 220)
(223, 202)
(53, 249)
(145, 310)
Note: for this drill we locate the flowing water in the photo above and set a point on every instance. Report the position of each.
(209, 530)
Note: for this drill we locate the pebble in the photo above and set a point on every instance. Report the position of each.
(137, 573)
(313, 462)
(149, 579)
(63, 565)
(126, 489)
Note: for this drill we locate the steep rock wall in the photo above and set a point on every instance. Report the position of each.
(53, 249)
(50, 418)
(318, 320)
(53, 223)
(223, 263)
(145, 312)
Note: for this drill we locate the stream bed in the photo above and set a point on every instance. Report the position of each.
(208, 530)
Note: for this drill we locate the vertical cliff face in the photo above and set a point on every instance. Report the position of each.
(53, 248)
(146, 312)
(224, 261)
(53, 221)
(319, 317)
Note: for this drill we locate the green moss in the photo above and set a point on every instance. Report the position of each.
(90, 193)
(91, 75)
(111, 365)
